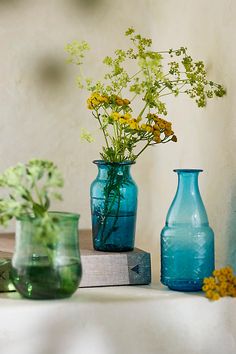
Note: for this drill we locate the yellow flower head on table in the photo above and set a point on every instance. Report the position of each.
(222, 283)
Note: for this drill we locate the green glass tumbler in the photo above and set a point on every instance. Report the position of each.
(47, 266)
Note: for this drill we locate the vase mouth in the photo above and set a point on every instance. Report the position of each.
(188, 170)
(59, 214)
(122, 163)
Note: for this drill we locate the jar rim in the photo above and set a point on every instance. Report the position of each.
(122, 163)
(66, 215)
(188, 170)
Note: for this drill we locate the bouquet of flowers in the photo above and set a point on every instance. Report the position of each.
(151, 77)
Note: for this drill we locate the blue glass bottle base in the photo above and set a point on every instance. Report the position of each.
(183, 284)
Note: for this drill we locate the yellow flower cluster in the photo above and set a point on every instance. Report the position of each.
(121, 102)
(159, 126)
(126, 119)
(222, 283)
(155, 125)
(96, 99)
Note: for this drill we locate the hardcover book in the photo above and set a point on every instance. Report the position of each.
(99, 268)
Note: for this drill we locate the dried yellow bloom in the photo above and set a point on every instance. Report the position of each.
(215, 296)
(168, 132)
(126, 102)
(127, 116)
(115, 115)
(119, 101)
(223, 283)
(122, 121)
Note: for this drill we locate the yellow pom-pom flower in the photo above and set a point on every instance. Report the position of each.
(222, 283)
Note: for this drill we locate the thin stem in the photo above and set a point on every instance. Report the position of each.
(133, 97)
(142, 111)
(103, 130)
(140, 152)
(38, 195)
(138, 72)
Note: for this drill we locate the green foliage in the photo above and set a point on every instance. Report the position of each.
(30, 188)
(155, 74)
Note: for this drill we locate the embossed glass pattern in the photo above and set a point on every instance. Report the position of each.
(187, 241)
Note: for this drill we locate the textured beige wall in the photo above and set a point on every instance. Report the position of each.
(42, 112)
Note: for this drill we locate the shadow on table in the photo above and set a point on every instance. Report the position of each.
(131, 294)
(117, 294)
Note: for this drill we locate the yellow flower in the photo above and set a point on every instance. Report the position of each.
(115, 115)
(104, 99)
(222, 292)
(209, 294)
(139, 119)
(134, 125)
(168, 132)
(156, 127)
(233, 294)
(156, 133)
(206, 281)
(126, 102)
(119, 101)
(230, 288)
(215, 296)
(161, 125)
(212, 286)
(122, 121)
(149, 128)
(152, 116)
(168, 125)
(95, 99)
(229, 269)
(224, 271)
(127, 116)
(157, 139)
(222, 278)
(223, 285)
(230, 277)
(216, 273)
(205, 287)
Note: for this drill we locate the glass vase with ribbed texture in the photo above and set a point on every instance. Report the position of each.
(187, 240)
(47, 266)
(113, 196)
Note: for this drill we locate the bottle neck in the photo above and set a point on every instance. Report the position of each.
(106, 171)
(188, 184)
(187, 207)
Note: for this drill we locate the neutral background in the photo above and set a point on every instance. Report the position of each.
(42, 111)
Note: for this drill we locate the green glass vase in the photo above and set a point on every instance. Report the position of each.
(47, 266)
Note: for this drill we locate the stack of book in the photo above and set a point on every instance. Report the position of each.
(99, 268)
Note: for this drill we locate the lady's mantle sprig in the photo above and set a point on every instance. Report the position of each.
(155, 74)
(28, 190)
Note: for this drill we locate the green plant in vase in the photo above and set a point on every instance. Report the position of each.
(46, 262)
(136, 77)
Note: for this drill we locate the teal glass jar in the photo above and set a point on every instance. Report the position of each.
(187, 241)
(113, 197)
(47, 266)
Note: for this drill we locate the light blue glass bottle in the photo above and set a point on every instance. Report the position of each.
(113, 198)
(187, 241)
